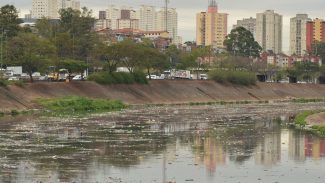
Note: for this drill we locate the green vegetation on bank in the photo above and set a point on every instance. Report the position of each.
(235, 77)
(14, 113)
(107, 78)
(300, 119)
(304, 100)
(319, 130)
(3, 83)
(74, 105)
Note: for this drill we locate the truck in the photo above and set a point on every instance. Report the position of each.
(14, 71)
(181, 74)
(62, 75)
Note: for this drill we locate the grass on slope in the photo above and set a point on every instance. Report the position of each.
(74, 105)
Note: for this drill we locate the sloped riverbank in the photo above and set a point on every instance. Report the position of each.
(156, 92)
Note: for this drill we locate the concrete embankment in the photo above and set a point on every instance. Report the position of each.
(157, 92)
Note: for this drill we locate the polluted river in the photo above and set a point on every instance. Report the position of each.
(164, 144)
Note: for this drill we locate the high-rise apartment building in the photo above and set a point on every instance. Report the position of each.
(315, 32)
(102, 15)
(63, 4)
(269, 31)
(45, 8)
(50, 8)
(121, 18)
(211, 26)
(247, 23)
(147, 18)
(298, 33)
(171, 27)
(128, 20)
(113, 14)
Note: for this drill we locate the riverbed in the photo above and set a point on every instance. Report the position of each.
(203, 144)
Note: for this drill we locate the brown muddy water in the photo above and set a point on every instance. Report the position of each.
(201, 144)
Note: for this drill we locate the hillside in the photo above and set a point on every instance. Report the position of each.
(157, 92)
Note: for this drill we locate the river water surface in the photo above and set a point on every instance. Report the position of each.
(202, 144)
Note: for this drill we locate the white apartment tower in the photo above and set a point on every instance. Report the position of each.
(247, 23)
(113, 14)
(50, 8)
(63, 4)
(269, 31)
(45, 8)
(171, 22)
(147, 18)
(298, 32)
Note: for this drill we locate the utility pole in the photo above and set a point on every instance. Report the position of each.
(2, 35)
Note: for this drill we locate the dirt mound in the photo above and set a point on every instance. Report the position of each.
(162, 91)
(316, 119)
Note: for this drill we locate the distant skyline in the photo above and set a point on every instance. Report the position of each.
(187, 10)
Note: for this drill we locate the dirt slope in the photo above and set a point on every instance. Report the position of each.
(157, 92)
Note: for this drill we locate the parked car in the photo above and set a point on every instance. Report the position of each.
(151, 77)
(203, 76)
(43, 78)
(77, 78)
(302, 82)
(283, 81)
(36, 74)
(13, 78)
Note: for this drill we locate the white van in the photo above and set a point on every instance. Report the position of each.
(203, 77)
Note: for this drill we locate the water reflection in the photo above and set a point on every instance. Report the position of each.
(204, 143)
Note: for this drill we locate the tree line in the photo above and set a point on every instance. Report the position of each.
(72, 43)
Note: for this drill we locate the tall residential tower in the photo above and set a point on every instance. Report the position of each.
(247, 23)
(50, 8)
(211, 26)
(315, 32)
(171, 22)
(147, 18)
(298, 30)
(269, 31)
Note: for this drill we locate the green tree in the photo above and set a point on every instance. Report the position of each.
(306, 71)
(174, 55)
(76, 22)
(318, 49)
(65, 45)
(31, 52)
(73, 66)
(9, 21)
(240, 42)
(151, 58)
(112, 55)
(46, 28)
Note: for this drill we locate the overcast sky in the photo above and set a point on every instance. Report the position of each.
(187, 9)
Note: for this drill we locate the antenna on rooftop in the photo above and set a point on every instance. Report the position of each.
(213, 3)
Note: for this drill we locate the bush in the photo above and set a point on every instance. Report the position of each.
(140, 77)
(234, 77)
(300, 119)
(3, 83)
(14, 112)
(106, 78)
(2, 114)
(79, 105)
(18, 83)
